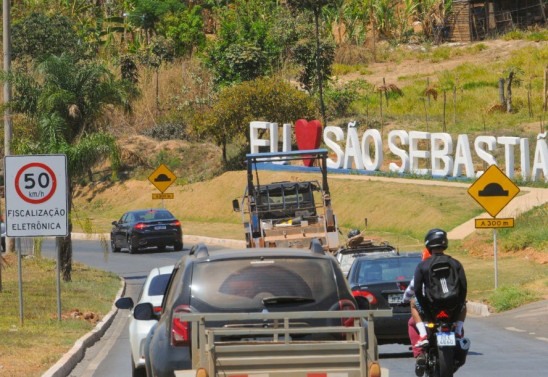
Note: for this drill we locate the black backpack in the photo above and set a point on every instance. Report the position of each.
(444, 284)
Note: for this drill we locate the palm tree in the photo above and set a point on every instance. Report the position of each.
(65, 99)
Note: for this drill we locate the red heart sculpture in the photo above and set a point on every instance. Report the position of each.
(308, 135)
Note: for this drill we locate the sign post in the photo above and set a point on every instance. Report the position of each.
(493, 190)
(36, 203)
(162, 178)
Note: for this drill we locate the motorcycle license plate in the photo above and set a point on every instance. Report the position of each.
(446, 339)
(395, 298)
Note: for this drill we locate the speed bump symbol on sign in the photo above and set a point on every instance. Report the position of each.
(493, 190)
(162, 178)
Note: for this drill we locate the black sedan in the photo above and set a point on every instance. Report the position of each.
(378, 282)
(144, 228)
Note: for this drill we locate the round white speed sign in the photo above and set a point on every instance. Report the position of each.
(36, 195)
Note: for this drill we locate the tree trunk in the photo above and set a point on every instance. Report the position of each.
(65, 250)
(65, 245)
(444, 107)
(501, 92)
(318, 68)
(509, 92)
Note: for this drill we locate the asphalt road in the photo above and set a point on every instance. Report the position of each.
(503, 345)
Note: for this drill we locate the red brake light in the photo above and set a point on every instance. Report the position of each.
(367, 295)
(176, 223)
(139, 226)
(157, 309)
(347, 305)
(442, 315)
(180, 330)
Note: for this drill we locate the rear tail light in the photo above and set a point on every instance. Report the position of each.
(442, 315)
(347, 305)
(370, 297)
(139, 226)
(180, 330)
(176, 223)
(157, 309)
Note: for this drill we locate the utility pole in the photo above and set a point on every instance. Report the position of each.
(6, 40)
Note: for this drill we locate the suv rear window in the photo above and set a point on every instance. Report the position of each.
(243, 283)
(386, 269)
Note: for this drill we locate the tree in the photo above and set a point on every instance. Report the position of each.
(316, 7)
(147, 14)
(65, 100)
(38, 36)
(269, 99)
(253, 40)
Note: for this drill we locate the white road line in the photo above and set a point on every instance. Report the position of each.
(514, 329)
(542, 338)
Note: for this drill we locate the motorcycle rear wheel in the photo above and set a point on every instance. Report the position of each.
(446, 361)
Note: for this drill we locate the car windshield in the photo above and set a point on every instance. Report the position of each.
(255, 284)
(386, 270)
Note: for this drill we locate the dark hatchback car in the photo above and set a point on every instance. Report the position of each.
(378, 282)
(241, 280)
(144, 228)
(346, 254)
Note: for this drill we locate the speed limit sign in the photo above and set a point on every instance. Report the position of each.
(36, 195)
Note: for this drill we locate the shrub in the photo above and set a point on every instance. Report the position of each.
(167, 131)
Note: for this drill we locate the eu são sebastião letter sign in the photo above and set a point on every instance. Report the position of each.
(36, 195)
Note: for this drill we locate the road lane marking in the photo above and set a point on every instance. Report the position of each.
(514, 329)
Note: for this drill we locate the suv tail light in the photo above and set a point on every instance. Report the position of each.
(139, 226)
(347, 305)
(180, 330)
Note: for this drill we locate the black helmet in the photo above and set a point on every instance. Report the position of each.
(436, 238)
(353, 233)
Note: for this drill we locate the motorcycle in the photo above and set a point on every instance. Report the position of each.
(445, 352)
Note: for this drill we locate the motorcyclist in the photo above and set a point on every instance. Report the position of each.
(436, 242)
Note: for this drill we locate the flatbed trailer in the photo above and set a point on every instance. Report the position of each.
(273, 350)
(288, 213)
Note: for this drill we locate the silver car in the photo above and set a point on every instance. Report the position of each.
(153, 293)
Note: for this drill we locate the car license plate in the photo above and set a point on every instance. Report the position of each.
(159, 227)
(446, 339)
(395, 299)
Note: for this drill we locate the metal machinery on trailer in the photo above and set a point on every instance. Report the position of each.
(273, 350)
(288, 214)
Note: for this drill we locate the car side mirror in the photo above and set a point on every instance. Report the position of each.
(236, 205)
(124, 303)
(114, 222)
(144, 312)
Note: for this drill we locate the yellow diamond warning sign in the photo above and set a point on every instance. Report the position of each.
(162, 178)
(493, 190)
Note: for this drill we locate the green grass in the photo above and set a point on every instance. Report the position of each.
(39, 330)
(510, 297)
(476, 95)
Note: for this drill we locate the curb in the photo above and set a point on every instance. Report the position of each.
(66, 364)
(477, 309)
(186, 238)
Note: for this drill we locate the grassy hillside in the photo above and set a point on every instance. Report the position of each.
(402, 212)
